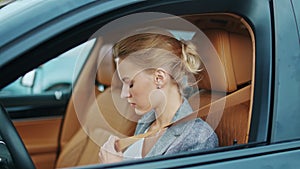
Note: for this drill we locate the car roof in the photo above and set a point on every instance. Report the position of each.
(38, 12)
(27, 24)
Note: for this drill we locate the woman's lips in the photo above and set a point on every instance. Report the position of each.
(132, 105)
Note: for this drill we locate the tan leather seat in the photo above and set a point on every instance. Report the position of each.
(80, 144)
(235, 53)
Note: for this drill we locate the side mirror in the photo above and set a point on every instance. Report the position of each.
(28, 79)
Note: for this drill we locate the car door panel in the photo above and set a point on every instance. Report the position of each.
(38, 120)
(31, 106)
(40, 137)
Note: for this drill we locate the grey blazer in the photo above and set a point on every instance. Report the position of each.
(187, 136)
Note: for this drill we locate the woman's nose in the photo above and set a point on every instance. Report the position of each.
(125, 91)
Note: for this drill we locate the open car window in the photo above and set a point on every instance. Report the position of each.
(221, 94)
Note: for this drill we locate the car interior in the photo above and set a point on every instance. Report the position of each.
(67, 143)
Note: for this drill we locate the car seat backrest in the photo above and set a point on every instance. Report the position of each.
(102, 118)
(71, 124)
(235, 54)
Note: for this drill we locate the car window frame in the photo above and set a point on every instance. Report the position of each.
(262, 100)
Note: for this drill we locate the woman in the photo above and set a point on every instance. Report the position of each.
(153, 68)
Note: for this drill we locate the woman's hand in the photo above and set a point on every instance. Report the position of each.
(108, 153)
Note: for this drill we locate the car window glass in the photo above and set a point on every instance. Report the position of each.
(56, 74)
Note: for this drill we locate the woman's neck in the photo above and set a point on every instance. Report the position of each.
(166, 112)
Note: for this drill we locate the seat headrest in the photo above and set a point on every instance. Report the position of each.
(106, 66)
(235, 54)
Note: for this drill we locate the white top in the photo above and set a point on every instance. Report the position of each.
(135, 150)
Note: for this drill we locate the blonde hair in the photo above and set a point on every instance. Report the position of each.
(154, 50)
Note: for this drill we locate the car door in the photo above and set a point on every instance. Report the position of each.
(263, 149)
(36, 102)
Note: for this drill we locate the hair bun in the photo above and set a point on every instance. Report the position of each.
(190, 57)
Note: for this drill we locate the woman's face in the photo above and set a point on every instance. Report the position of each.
(137, 86)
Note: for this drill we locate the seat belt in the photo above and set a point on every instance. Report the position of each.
(232, 99)
(237, 97)
(123, 143)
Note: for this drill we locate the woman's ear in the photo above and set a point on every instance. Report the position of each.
(160, 77)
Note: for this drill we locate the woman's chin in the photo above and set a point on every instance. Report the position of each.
(140, 112)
